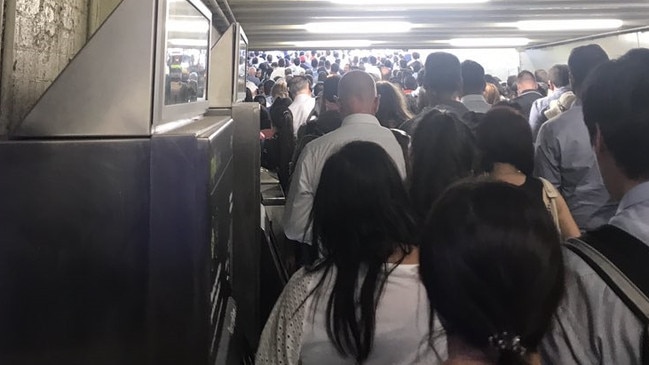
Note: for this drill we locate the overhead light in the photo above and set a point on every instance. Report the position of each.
(489, 42)
(566, 24)
(354, 43)
(357, 27)
(407, 2)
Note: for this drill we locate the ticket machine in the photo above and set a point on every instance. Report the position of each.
(129, 201)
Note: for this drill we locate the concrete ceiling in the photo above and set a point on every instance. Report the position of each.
(273, 24)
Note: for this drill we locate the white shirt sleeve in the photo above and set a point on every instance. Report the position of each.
(300, 199)
(281, 340)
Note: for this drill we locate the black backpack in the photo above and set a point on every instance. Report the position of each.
(621, 260)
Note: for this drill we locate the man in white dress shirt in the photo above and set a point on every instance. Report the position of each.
(358, 101)
(299, 88)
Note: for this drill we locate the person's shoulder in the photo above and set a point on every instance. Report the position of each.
(300, 280)
(562, 120)
(324, 142)
(578, 269)
(559, 121)
(538, 103)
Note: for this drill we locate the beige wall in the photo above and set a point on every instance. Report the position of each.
(40, 38)
(615, 46)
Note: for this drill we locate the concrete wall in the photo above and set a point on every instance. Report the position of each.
(615, 46)
(98, 12)
(40, 38)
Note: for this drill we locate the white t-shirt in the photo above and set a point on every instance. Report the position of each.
(297, 333)
(301, 107)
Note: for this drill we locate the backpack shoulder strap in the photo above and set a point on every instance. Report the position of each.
(620, 260)
(626, 252)
(615, 278)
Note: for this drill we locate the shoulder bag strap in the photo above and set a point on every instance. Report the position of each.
(550, 195)
(616, 279)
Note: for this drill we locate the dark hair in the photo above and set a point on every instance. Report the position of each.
(409, 82)
(541, 75)
(443, 76)
(616, 99)
(335, 68)
(328, 121)
(268, 87)
(509, 104)
(296, 61)
(314, 63)
(505, 136)
(491, 263)
(511, 85)
(393, 110)
(322, 75)
(261, 99)
(443, 151)
(473, 79)
(264, 118)
(361, 217)
(416, 66)
(281, 62)
(318, 88)
(282, 120)
(525, 76)
(582, 61)
(331, 88)
(297, 84)
(559, 75)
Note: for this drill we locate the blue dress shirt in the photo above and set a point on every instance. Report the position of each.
(564, 156)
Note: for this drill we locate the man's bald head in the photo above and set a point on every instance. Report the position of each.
(357, 93)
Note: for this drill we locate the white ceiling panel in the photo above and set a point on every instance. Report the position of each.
(277, 24)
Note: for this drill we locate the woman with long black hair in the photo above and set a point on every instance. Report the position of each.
(443, 151)
(492, 265)
(363, 302)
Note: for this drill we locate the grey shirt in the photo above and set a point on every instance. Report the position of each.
(565, 157)
(593, 325)
(540, 105)
(476, 103)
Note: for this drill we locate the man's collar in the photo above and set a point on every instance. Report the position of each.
(528, 91)
(360, 118)
(473, 97)
(637, 194)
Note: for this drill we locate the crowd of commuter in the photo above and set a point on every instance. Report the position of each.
(435, 211)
